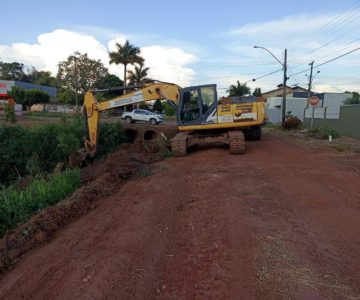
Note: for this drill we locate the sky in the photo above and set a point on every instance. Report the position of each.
(194, 42)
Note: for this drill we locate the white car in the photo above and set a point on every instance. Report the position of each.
(142, 115)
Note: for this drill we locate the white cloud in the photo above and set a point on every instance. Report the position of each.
(168, 64)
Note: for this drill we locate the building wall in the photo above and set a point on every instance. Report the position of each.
(6, 85)
(295, 105)
(347, 123)
(335, 99)
(278, 92)
(274, 115)
(329, 104)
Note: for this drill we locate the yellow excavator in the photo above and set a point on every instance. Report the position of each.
(201, 117)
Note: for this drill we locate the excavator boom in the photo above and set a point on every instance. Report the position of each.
(148, 92)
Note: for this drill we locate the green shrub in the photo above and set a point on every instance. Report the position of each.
(34, 151)
(55, 142)
(17, 206)
(29, 97)
(18, 94)
(10, 114)
(158, 106)
(110, 138)
(15, 150)
(169, 111)
(323, 132)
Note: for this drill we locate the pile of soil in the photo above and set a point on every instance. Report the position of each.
(100, 179)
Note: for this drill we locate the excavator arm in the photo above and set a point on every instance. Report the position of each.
(148, 92)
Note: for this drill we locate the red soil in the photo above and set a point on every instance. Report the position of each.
(281, 221)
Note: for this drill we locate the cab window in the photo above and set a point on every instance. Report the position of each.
(208, 96)
(190, 110)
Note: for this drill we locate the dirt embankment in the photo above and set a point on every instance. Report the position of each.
(103, 178)
(280, 222)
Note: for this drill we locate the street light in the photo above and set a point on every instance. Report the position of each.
(284, 66)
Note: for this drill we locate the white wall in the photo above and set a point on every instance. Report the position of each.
(335, 99)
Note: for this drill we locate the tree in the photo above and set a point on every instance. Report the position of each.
(169, 111)
(158, 106)
(41, 78)
(111, 83)
(355, 99)
(139, 75)
(238, 90)
(29, 97)
(34, 96)
(68, 96)
(18, 94)
(79, 73)
(257, 92)
(126, 54)
(12, 71)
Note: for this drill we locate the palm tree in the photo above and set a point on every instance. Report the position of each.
(238, 90)
(125, 54)
(139, 75)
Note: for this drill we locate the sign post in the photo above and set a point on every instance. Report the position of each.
(313, 100)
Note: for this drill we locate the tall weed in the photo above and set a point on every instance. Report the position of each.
(17, 206)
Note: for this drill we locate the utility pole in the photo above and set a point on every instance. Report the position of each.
(76, 84)
(283, 113)
(310, 81)
(309, 93)
(284, 66)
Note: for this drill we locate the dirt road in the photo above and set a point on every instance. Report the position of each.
(280, 222)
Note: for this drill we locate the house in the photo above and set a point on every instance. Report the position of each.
(279, 91)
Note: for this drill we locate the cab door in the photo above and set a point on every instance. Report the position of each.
(197, 103)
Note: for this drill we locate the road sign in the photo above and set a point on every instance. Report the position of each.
(314, 100)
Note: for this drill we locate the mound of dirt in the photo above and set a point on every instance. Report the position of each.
(102, 178)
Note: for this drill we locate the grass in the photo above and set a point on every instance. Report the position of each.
(279, 273)
(16, 206)
(323, 132)
(342, 147)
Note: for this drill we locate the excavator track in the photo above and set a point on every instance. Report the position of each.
(179, 144)
(236, 142)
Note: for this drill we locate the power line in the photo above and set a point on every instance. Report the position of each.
(356, 27)
(348, 45)
(336, 20)
(339, 22)
(277, 71)
(328, 61)
(350, 19)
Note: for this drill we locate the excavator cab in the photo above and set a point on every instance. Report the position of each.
(196, 104)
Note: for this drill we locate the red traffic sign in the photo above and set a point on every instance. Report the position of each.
(314, 100)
